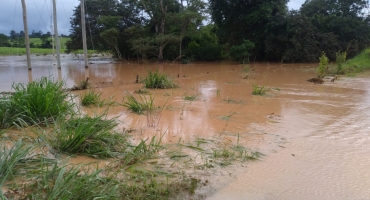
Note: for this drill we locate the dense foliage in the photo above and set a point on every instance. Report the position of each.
(217, 29)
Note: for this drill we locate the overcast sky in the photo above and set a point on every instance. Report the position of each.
(39, 14)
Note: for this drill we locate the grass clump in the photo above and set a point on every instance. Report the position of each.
(91, 136)
(91, 98)
(158, 80)
(8, 114)
(19, 159)
(39, 102)
(68, 183)
(259, 90)
(11, 158)
(141, 106)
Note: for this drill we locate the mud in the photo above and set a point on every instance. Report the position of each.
(314, 136)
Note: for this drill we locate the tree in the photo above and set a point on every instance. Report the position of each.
(105, 17)
(241, 52)
(111, 32)
(238, 20)
(158, 12)
(344, 19)
(187, 21)
(13, 35)
(4, 40)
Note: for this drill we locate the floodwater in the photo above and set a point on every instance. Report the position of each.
(315, 137)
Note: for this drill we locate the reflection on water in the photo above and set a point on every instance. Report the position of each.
(325, 127)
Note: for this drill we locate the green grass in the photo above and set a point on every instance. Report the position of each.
(19, 160)
(91, 136)
(158, 80)
(7, 51)
(359, 63)
(91, 98)
(8, 114)
(39, 102)
(137, 106)
(67, 182)
(259, 90)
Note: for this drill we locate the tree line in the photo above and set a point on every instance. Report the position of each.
(17, 39)
(242, 30)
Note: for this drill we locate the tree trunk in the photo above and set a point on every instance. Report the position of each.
(160, 53)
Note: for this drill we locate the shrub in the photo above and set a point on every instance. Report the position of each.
(241, 52)
(322, 70)
(340, 59)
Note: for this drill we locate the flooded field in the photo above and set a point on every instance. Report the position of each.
(314, 136)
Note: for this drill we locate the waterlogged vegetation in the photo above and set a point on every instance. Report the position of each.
(39, 102)
(139, 106)
(33, 164)
(259, 90)
(91, 136)
(158, 80)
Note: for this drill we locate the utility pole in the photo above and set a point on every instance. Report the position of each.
(56, 34)
(27, 39)
(84, 32)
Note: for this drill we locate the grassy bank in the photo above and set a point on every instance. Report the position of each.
(358, 64)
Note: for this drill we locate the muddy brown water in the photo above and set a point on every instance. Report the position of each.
(315, 137)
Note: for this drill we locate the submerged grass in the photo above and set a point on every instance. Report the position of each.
(259, 90)
(68, 183)
(190, 97)
(141, 106)
(92, 98)
(91, 136)
(158, 80)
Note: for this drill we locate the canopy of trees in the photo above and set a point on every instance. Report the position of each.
(219, 29)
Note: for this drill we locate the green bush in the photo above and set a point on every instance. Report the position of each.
(340, 60)
(241, 52)
(322, 70)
